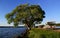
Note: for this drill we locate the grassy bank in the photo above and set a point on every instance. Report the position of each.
(43, 33)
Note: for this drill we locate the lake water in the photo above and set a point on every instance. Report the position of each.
(11, 32)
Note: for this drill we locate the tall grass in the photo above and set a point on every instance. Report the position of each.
(43, 33)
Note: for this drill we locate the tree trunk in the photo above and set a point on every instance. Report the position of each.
(27, 31)
(28, 26)
(51, 27)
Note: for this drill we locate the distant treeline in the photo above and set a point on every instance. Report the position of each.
(58, 24)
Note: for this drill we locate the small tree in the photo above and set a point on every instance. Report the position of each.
(51, 24)
(27, 14)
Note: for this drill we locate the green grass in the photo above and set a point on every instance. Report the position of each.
(43, 33)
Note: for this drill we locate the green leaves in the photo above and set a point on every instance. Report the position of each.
(29, 13)
(7, 16)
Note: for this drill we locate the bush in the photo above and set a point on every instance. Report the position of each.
(43, 33)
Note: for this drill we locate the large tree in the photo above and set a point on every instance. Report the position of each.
(27, 14)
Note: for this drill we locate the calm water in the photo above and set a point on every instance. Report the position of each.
(11, 32)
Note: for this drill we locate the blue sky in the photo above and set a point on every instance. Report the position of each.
(51, 8)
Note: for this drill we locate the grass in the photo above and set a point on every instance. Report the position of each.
(43, 33)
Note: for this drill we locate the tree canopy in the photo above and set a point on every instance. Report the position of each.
(51, 23)
(27, 14)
